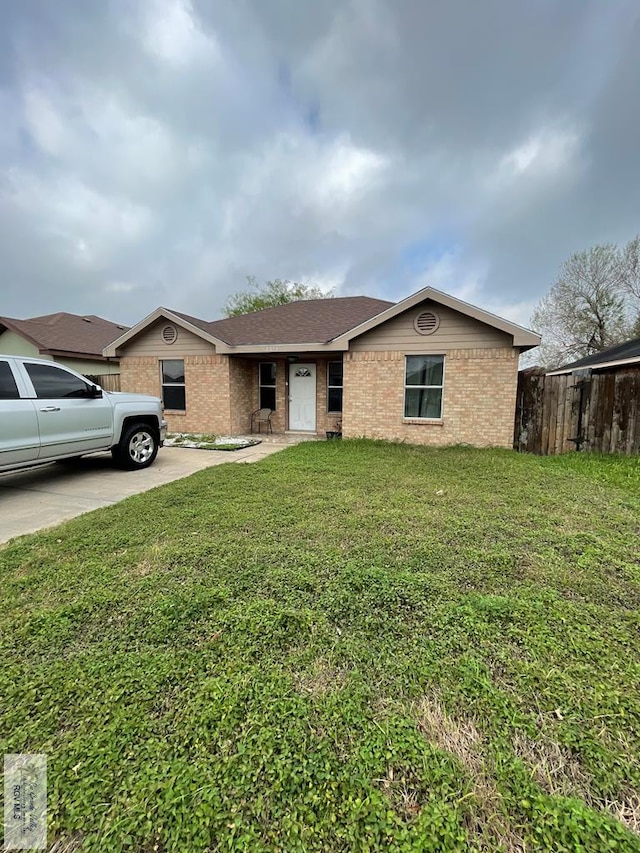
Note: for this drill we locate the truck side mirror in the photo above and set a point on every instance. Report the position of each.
(94, 391)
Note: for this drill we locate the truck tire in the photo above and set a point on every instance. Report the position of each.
(137, 448)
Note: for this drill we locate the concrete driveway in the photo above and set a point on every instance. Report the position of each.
(41, 497)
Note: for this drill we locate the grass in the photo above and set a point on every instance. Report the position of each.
(350, 646)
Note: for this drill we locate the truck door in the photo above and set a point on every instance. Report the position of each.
(19, 438)
(70, 420)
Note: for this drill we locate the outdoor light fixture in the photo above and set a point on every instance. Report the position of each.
(292, 358)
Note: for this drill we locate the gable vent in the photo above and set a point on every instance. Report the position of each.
(169, 334)
(426, 323)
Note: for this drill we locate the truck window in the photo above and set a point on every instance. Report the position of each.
(52, 383)
(8, 387)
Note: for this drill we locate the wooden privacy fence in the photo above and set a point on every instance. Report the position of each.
(108, 381)
(557, 414)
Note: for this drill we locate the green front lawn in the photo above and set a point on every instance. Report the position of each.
(348, 646)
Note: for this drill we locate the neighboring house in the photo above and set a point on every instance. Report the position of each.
(621, 357)
(430, 369)
(76, 341)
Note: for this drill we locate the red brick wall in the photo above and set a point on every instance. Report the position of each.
(279, 417)
(478, 406)
(243, 382)
(221, 392)
(207, 390)
(325, 420)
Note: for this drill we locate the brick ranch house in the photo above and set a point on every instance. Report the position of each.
(430, 369)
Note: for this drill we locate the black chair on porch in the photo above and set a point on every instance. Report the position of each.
(260, 417)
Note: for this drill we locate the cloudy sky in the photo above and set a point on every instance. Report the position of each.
(159, 151)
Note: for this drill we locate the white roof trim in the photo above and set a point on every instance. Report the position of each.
(521, 337)
(283, 349)
(634, 359)
(111, 350)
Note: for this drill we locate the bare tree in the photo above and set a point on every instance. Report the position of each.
(591, 305)
(631, 256)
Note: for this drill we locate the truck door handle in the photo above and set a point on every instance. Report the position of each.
(50, 409)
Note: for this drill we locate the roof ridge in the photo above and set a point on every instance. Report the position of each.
(49, 319)
(84, 334)
(330, 299)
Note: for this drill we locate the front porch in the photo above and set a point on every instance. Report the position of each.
(303, 392)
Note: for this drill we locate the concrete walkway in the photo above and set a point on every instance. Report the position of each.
(37, 498)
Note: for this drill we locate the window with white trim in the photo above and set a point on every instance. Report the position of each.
(423, 386)
(173, 385)
(334, 386)
(267, 385)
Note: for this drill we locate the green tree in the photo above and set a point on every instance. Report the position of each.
(270, 294)
(593, 304)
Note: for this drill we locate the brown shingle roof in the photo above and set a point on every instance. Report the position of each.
(305, 321)
(205, 325)
(74, 334)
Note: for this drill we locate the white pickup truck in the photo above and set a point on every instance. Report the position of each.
(49, 413)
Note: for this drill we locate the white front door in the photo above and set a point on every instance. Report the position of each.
(302, 397)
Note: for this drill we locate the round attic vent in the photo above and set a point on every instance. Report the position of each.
(169, 334)
(426, 323)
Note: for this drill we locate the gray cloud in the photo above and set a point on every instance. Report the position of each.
(158, 151)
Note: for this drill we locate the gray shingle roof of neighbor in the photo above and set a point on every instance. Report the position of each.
(305, 321)
(619, 352)
(76, 334)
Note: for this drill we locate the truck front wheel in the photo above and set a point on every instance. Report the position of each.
(137, 448)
